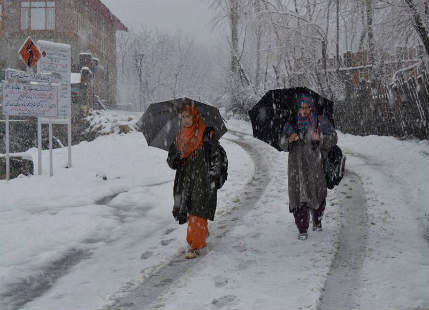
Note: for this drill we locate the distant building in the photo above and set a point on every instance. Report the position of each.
(87, 25)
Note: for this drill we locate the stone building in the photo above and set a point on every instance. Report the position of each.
(87, 25)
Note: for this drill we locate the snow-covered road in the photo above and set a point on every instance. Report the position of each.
(395, 177)
(343, 281)
(101, 235)
(148, 291)
(253, 259)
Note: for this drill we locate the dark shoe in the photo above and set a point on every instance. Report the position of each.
(317, 227)
(302, 236)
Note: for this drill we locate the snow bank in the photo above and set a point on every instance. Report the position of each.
(108, 121)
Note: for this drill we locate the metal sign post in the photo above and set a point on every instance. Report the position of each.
(69, 138)
(51, 162)
(39, 147)
(41, 121)
(7, 148)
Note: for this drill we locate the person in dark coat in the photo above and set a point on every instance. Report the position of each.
(305, 141)
(195, 191)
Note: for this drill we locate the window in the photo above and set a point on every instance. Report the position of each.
(38, 15)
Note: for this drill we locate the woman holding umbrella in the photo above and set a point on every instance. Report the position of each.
(305, 141)
(195, 191)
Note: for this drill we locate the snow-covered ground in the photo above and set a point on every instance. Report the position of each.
(107, 122)
(94, 234)
(395, 175)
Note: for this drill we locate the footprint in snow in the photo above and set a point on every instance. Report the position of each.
(166, 242)
(146, 255)
(220, 281)
(224, 301)
(169, 231)
(246, 264)
(240, 247)
(164, 282)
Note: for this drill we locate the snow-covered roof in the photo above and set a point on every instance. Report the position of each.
(85, 69)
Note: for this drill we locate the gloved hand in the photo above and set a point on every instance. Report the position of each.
(176, 212)
(177, 158)
(178, 216)
(182, 218)
(212, 171)
(293, 137)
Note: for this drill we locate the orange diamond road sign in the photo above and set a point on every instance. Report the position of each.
(29, 53)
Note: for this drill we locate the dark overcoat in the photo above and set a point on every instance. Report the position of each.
(306, 178)
(194, 190)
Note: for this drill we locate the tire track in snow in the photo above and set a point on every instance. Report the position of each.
(148, 291)
(107, 199)
(33, 286)
(343, 278)
(347, 283)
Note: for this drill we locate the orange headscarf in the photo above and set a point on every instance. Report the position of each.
(190, 138)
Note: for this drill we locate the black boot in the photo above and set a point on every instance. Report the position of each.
(317, 216)
(302, 219)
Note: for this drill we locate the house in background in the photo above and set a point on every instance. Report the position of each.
(87, 25)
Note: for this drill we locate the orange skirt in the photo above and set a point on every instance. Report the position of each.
(197, 232)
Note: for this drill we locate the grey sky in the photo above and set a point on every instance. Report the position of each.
(192, 17)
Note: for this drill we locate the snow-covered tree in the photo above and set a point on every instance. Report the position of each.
(154, 66)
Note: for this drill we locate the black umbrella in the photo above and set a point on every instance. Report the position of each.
(161, 122)
(279, 106)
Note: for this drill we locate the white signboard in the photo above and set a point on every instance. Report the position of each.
(30, 99)
(27, 77)
(56, 59)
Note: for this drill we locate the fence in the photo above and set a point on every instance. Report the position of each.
(400, 109)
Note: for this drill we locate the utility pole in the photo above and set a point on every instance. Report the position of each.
(371, 43)
(235, 70)
(338, 35)
(139, 69)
